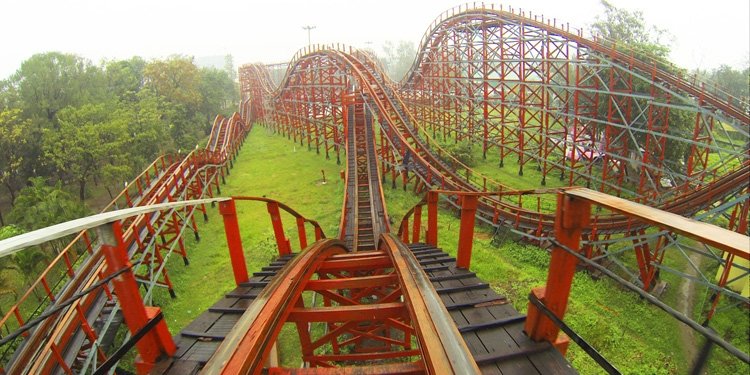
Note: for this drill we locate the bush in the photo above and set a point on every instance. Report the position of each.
(461, 151)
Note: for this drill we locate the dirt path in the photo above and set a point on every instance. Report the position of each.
(685, 305)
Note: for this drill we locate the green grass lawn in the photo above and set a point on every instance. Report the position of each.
(635, 336)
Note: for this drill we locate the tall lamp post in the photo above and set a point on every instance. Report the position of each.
(308, 28)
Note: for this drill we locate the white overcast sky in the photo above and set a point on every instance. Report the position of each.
(705, 34)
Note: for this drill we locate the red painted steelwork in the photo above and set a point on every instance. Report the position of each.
(573, 214)
(466, 233)
(234, 241)
(402, 128)
(158, 341)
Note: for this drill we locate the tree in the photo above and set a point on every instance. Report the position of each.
(125, 78)
(176, 79)
(87, 139)
(9, 269)
(9, 97)
(218, 91)
(14, 136)
(627, 27)
(147, 132)
(51, 81)
(734, 82)
(398, 58)
(39, 205)
(176, 83)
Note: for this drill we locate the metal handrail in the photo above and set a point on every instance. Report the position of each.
(15, 244)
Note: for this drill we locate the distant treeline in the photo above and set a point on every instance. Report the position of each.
(67, 125)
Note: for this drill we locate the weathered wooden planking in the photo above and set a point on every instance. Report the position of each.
(497, 326)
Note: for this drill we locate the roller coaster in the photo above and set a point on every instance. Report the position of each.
(531, 92)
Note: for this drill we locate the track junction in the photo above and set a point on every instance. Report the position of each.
(536, 96)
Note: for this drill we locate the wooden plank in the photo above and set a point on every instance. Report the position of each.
(475, 343)
(203, 322)
(185, 367)
(184, 344)
(224, 324)
(498, 340)
(549, 361)
(491, 340)
(201, 351)
(724, 239)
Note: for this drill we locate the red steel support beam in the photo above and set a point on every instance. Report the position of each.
(234, 241)
(432, 209)
(278, 229)
(466, 233)
(573, 214)
(156, 342)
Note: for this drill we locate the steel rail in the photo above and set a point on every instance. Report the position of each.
(15, 244)
(443, 348)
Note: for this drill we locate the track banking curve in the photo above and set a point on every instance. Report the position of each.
(306, 109)
(530, 92)
(580, 112)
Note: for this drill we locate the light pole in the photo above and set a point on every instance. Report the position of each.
(308, 28)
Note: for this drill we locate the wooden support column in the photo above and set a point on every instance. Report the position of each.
(318, 234)
(234, 241)
(157, 341)
(405, 230)
(466, 233)
(302, 233)
(278, 229)
(432, 211)
(415, 236)
(573, 214)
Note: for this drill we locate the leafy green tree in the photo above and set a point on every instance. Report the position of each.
(9, 97)
(40, 205)
(87, 140)
(177, 79)
(20, 269)
(146, 136)
(734, 82)
(176, 82)
(51, 81)
(626, 27)
(14, 137)
(218, 91)
(125, 78)
(9, 269)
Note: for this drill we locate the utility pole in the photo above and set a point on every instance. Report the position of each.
(308, 28)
